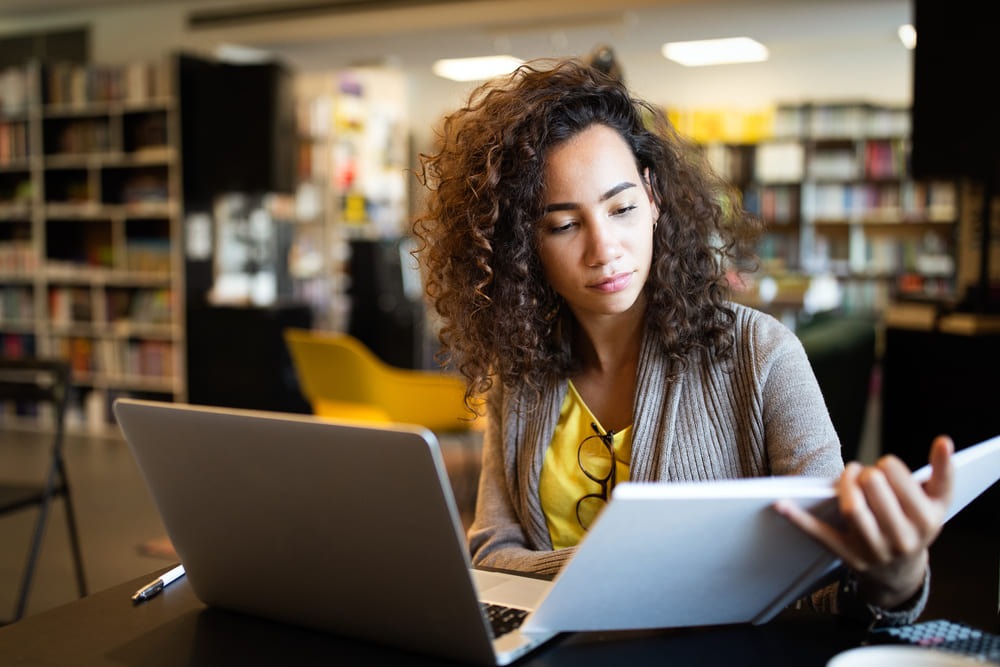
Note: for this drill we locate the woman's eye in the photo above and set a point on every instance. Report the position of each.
(562, 226)
(622, 210)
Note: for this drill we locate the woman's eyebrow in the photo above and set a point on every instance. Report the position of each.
(569, 206)
(624, 185)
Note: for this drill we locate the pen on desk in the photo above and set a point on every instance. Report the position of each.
(154, 587)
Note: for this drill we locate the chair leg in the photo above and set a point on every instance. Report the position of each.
(33, 552)
(74, 540)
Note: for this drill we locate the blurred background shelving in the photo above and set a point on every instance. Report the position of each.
(847, 224)
(128, 230)
(90, 228)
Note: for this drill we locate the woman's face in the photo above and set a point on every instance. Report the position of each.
(596, 238)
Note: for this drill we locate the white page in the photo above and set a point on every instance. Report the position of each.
(676, 554)
(683, 554)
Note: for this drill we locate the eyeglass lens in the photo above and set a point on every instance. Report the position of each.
(596, 457)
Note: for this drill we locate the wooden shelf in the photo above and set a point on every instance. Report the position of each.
(99, 233)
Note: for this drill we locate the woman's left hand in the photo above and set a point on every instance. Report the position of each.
(889, 521)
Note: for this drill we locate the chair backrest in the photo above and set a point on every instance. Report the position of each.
(341, 377)
(34, 381)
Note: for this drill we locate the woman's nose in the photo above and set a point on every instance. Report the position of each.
(603, 246)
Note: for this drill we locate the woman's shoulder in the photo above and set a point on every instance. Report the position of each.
(750, 321)
(760, 334)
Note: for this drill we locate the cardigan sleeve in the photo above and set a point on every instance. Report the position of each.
(842, 598)
(496, 537)
(801, 440)
(800, 436)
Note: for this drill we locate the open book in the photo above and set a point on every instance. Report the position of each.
(709, 553)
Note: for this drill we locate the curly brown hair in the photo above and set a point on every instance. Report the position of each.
(500, 319)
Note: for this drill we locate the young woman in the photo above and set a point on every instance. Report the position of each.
(576, 250)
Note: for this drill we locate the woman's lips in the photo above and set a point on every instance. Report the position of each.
(615, 283)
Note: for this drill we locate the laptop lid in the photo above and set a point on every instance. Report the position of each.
(344, 527)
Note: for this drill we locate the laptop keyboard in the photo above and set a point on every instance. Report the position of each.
(945, 635)
(503, 619)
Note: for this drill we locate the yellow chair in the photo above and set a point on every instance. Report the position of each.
(342, 378)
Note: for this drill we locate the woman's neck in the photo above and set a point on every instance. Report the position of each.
(609, 357)
(603, 344)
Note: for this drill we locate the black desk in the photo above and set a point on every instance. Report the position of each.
(106, 629)
(175, 629)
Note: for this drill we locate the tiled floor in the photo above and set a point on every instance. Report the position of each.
(115, 513)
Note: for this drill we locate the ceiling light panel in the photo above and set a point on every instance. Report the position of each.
(475, 69)
(703, 52)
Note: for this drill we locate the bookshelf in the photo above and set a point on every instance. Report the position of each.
(353, 135)
(833, 185)
(90, 258)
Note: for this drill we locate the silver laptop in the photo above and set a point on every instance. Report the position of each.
(345, 527)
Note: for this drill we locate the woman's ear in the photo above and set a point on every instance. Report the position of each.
(649, 193)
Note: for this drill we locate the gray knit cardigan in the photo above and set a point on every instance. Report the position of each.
(760, 413)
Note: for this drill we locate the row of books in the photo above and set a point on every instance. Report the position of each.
(779, 162)
(69, 305)
(80, 136)
(778, 253)
(15, 90)
(138, 190)
(148, 255)
(874, 202)
(877, 256)
(146, 358)
(847, 120)
(15, 147)
(881, 296)
(142, 133)
(147, 131)
(872, 268)
(876, 159)
(778, 170)
(926, 256)
(117, 359)
(791, 160)
(853, 120)
(735, 163)
(81, 305)
(885, 159)
(17, 257)
(869, 296)
(72, 84)
(18, 263)
(17, 304)
(143, 188)
(140, 306)
(930, 200)
(776, 204)
(17, 345)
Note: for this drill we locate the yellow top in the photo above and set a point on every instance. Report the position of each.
(563, 482)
